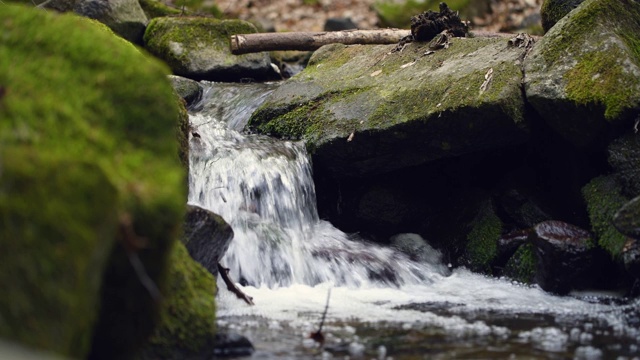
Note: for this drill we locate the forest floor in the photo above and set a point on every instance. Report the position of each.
(311, 15)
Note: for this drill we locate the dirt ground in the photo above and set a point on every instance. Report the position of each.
(311, 15)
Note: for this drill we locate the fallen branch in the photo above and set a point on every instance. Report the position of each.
(307, 41)
(224, 272)
(318, 336)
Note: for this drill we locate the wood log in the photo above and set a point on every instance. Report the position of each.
(231, 286)
(307, 41)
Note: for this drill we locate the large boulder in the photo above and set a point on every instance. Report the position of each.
(124, 17)
(363, 109)
(198, 48)
(89, 182)
(583, 76)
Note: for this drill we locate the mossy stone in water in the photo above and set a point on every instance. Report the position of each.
(187, 325)
(76, 101)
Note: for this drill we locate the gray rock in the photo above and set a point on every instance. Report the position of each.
(418, 249)
(189, 90)
(627, 219)
(124, 17)
(364, 110)
(198, 48)
(207, 237)
(583, 76)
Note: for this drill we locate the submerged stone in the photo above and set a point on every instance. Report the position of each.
(198, 48)
(583, 76)
(363, 110)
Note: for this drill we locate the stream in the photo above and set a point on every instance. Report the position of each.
(382, 305)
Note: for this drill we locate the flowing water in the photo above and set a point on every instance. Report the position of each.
(381, 304)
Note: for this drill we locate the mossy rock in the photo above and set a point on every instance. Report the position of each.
(71, 109)
(187, 326)
(198, 48)
(156, 8)
(55, 247)
(553, 10)
(125, 17)
(603, 198)
(583, 76)
(624, 158)
(482, 245)
(522, 265)
(403, 108)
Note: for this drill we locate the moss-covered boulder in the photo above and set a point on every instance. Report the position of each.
(552, 11)
(187, 324)
(604, 198)
(482, 239)
(362, 109)
(88, 168)
(198, 48)
(583, 77)
(156, 8)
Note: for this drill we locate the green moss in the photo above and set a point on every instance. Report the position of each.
(482, 244)
(187, 322)
(600, 76)
(71, 92)
(157, 8)
(522, 265)
(54, 247)
(603, 198)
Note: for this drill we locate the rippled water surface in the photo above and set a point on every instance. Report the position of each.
(382, 305)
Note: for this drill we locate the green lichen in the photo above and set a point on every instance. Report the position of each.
(522, 265)
(603, 198)
(71, 95)
(187, 324)
(482, 244)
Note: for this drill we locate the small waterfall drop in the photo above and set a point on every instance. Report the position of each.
(289, 258)
(264, 189)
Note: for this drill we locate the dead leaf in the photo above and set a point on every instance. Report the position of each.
(376, 73)
(351, 136)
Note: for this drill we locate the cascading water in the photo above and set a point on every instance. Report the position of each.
(288, 258)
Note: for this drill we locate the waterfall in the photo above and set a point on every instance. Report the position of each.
(264, 189)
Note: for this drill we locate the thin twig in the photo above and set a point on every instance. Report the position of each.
(224, 272)
(318, 336)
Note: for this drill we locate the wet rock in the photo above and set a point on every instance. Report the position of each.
(232, 345)
(124, 17)
(417, 248)
(631, 257)
(627, 219)
(483, 237)
(338, 24)
(189, 90)
(554, 10)
(522, 265)
(363, 111)
(198, 48)
(583, 77)
(624, 157)
(564, 255)
(207, 237)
